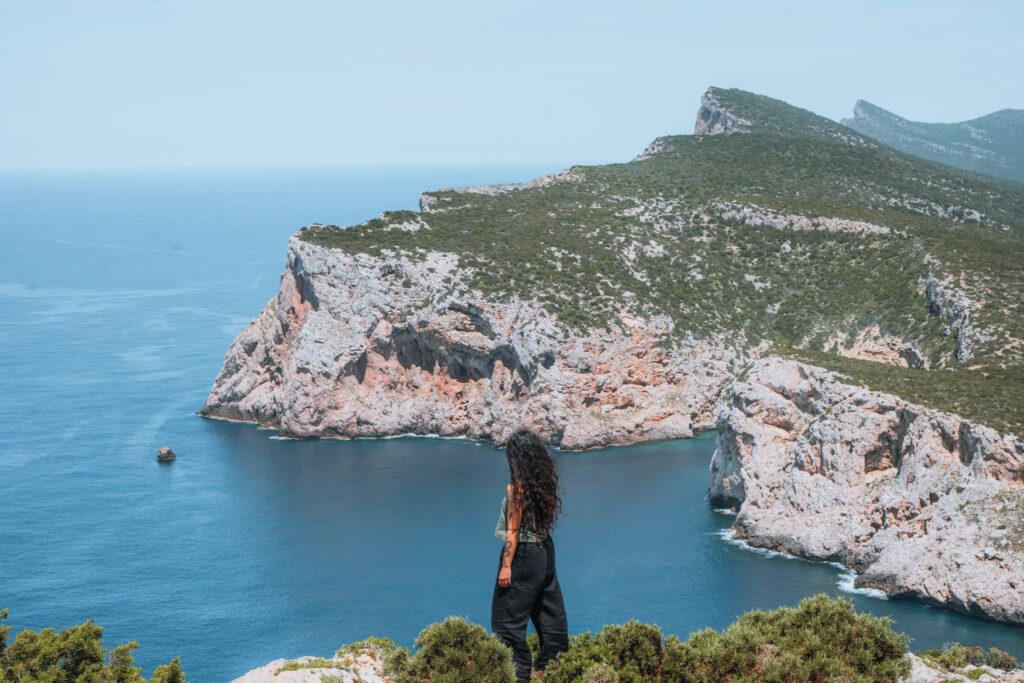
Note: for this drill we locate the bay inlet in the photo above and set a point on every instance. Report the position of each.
(120, 292)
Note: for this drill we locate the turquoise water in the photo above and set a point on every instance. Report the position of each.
(119, 294)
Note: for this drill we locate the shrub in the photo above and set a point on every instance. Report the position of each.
(600, 673)
(74, 655)
(585, 651)
(453, 651)
(169, 673)
(384, 645)
(635, 650)
(312, 663)
(998, 659)
(956, 656)
(820, 640)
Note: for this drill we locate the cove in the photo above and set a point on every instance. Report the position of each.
(119, 294)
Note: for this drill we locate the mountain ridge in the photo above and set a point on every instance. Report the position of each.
(992, 144)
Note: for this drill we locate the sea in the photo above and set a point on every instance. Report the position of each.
(120, 291)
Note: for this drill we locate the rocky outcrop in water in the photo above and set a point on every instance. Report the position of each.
(362, 346)
(920, 503)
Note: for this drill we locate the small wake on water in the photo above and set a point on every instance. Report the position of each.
(847, 577)
(845, 582)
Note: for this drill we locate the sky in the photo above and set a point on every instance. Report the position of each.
(172, 83)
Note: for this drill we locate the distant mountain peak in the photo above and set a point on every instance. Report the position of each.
(724, 111)
(992, 144)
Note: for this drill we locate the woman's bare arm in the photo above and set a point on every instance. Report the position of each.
(511, 539)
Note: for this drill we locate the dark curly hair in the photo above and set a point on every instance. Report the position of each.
(534, 477)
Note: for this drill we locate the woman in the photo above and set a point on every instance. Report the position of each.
(527, 585)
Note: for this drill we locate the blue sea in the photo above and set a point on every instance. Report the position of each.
(120, 291)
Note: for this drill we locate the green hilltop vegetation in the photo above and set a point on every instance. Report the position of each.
(74, 655)
(821, 640)
(670, 234)
(992, 144)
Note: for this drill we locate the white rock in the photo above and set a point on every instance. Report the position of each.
(908, 497)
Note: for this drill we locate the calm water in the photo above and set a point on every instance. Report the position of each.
(119, 294)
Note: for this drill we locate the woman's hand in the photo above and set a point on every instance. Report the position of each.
(505, 577)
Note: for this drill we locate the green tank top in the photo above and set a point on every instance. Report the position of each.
(526, 534)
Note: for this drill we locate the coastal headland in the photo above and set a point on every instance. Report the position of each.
(846, 316)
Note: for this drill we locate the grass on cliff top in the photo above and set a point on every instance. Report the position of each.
(648, 238)
(989, 396)
(643, 238)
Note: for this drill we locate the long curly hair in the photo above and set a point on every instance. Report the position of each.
(534, 477)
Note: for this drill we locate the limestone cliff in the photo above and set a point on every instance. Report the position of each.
(614, 304)
(363, 346)
(715, 119)
(920, 503)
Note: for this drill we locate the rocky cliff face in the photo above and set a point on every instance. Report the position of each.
(362, 346)
(920, 503)
(955, 309)
(714, 119)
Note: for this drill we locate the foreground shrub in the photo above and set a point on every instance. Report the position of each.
(635, 651)
(74, 655)
(821, 640)
(956, 656)
(453, 651)
(383, 645)
(999, 659)
(584, 654)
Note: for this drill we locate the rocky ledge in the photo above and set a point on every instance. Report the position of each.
(921, 504)
(362, 667)
(366, 346)
(367, 668)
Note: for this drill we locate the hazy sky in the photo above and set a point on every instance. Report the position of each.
(249, 82)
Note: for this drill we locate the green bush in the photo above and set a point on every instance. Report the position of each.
(635, 651)
(384, 645)
(453, 651)
(820, 640)
(74, 655)
(957, 656)
(585, 651)
(169, 673)
(998, 659)
(314, 663)
(954, 657)
(601, 673)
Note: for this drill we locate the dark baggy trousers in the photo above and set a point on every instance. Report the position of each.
(534, 595)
